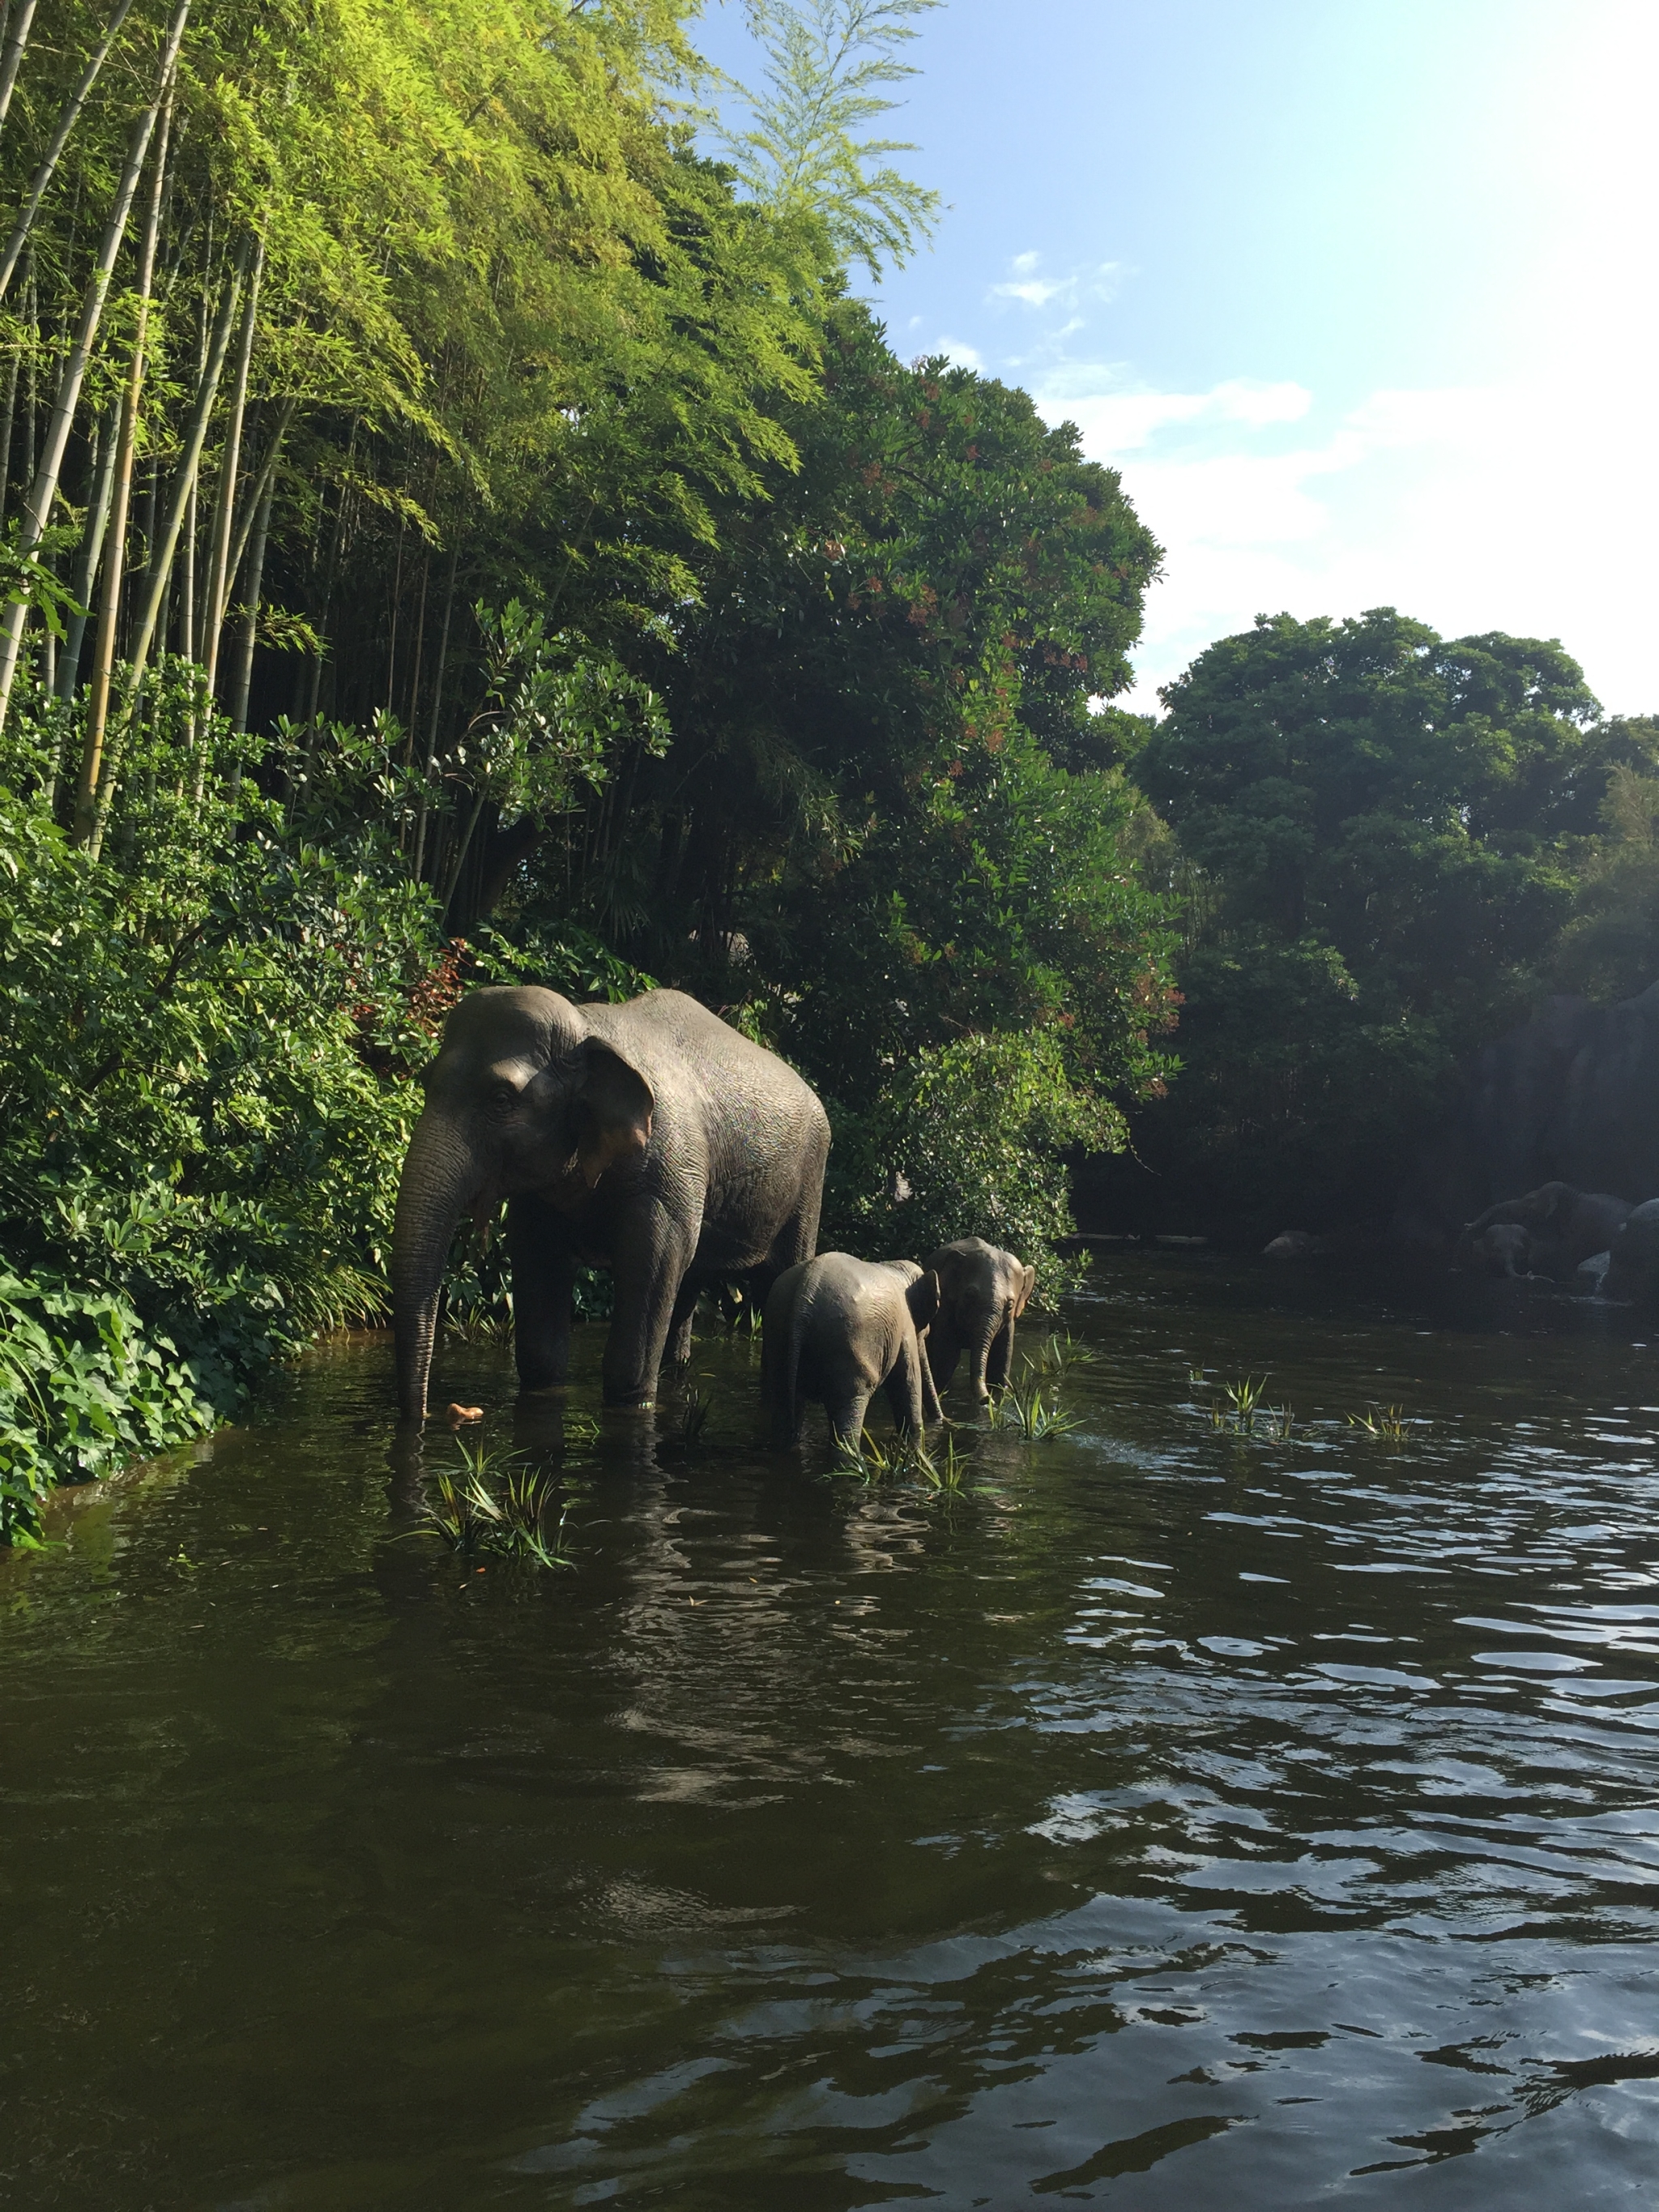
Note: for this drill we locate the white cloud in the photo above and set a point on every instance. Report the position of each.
(1097, 281)
(1524, 507)
(1116, 422)
(959, 355)
(1035, 291)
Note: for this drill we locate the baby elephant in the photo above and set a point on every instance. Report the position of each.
(1505, 1248)
(982, 1293)
(837, 1328)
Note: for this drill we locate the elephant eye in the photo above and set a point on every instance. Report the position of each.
(504, 1094)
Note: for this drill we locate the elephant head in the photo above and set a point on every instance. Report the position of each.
(523, 1096)
(982, 1292)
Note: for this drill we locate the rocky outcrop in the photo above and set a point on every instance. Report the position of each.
(1570, 1096)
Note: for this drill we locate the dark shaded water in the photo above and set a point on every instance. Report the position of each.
(1192, 1822)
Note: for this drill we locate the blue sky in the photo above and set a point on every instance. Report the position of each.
(1358, 294)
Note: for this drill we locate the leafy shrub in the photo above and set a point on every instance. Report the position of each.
(968, 1139)
(82, 1387)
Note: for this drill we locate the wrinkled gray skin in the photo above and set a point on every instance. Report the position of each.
(1505, 1248)
(1632, 1270)
(648, 1138)
(982, 1293)
(1576, 1223)
(837, 1330)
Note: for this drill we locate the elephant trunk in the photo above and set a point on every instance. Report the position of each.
(1001, 1361)
(442, 1179)
(983, 1348)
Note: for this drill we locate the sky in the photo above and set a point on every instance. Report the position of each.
(1359, 295)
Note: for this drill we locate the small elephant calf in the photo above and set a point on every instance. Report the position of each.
(836, 1330)
(983, 1291)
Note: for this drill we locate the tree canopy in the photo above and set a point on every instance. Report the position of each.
(1378, 835)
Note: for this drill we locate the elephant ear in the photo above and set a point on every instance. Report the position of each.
(947, 1268)
(922, 1296)
(614, 1107)
(1023, 1295)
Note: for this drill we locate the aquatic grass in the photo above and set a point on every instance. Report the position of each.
(1058, 1353)
(493, 1502)
(906, 1459)
(1245, 1397)
(1242, 1410)
(1388, 1423)
(695, 1415)
(1037, 1417)
(681, 1439)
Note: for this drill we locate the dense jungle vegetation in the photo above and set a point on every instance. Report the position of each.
(456, 528)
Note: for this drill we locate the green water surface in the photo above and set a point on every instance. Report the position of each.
(1182, 1820)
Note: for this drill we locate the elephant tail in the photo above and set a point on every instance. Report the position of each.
(794, 1412)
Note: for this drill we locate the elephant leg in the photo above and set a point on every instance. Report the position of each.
(931, 1408)
(943, 1349)
(904, 1389)
(847, 1408)
(543, 1272)
(679, 1326)
(651, 1257)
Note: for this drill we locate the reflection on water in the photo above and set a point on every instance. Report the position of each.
(1185, 1820)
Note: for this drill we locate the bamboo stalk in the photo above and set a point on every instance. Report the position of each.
(251, 612)
(17, 38)
(92, 547)
(267, 472)
(189, 461)
(66, 123)
(6, 419)
(219, 575)
(103, 661)
(37, 507)
(437, 703)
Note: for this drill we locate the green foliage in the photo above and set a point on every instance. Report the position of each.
(191, 1131)
(608, 603)
(968, 1139)
(825, 61)
(1609, 948)
(495, 1502)
(1033, 1412)
(1376, 832)
(83, 1388)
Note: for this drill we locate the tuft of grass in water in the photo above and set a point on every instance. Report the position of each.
(1241, 1411)
(1058, 1352)
(695, 1407)
(1036, 1417)
(1245, 1397)
(1388, 1423)
(906, 1459)
(493, 1502)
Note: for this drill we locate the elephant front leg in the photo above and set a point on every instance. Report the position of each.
(544, 1272)
(652, 1256)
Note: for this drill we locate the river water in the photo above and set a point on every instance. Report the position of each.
(1179, 1820)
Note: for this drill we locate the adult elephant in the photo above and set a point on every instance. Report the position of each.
(648, 1138)
(1567, 1224)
